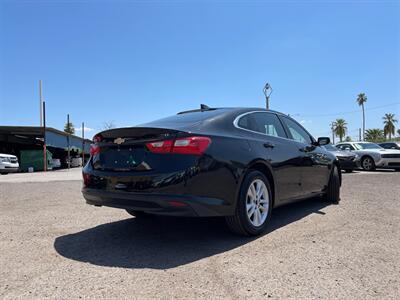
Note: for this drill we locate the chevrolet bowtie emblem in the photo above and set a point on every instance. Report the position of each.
(119, 141)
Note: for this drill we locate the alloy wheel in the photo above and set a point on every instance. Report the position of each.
(367, 163)
(257, 202)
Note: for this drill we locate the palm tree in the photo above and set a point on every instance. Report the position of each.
(388, 121)
(361, 99)
(69, 128)
(398, 132)
(340, 128)
(374, 135)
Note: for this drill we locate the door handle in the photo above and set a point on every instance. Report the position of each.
(269, 145)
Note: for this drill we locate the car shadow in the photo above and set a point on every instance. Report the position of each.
(165, 242)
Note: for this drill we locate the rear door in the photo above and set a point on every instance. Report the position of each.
(313, 159)
(269, 140)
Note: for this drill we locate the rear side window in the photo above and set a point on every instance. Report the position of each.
(297, 132)
(262, 122)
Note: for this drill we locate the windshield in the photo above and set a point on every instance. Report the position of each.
(330, 147)
(361, 146)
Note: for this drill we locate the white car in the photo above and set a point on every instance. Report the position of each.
(8, 163)
(373, 156)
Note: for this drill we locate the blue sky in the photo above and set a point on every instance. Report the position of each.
(135, 61)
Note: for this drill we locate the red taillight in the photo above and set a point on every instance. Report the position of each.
(194, 145)
(97, 138)
(160, 147)
(86, 179)
(94, 149)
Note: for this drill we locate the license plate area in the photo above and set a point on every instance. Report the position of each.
(120, 158)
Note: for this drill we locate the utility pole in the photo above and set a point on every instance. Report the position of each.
(41, 102)
(359, 134)
(68, 155)
(44, 138)
(267, 92)
(83, 144)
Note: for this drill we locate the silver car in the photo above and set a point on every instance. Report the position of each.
(372, 155)
(8, 163)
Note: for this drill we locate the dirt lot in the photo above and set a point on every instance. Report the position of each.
(54, 245)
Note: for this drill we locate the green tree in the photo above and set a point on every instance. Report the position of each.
(361, 99)
(374, 135)
(348, 139)
(69, 128)
(389, 127)
(398, 132)
(340, 128)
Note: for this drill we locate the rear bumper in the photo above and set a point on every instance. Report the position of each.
(163, 204)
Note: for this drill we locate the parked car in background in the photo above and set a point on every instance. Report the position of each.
(390, 145)
(238, 163)
(56, 163)
(8, 163)
(372, 155)
(74, 162)
(348, 160)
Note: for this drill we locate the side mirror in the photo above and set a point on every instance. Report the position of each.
(322, 141)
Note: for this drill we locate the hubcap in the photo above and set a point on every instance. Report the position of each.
(367, 164)
(257, 202)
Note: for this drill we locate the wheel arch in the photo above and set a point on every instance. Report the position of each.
(265, 168)
(337, 165)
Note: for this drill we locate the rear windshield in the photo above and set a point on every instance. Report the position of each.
(185, 118)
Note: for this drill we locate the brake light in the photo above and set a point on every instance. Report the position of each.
(97, 138)
(160, 147)
(94, 149)
(86, 179)
(194, 145)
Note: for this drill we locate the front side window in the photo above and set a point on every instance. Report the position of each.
(345, 147)
(262, 122)
(297, 132)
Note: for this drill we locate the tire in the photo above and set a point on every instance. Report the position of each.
(333, 189)
(138, 214)
(244, 222)
(367, 163)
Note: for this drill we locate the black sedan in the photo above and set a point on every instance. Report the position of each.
(348, 161)
(239, 163)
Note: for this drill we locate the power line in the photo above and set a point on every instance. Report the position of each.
(345, 113)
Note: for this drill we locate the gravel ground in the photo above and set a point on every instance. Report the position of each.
(53, 245)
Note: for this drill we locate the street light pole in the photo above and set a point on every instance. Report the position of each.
(44, 138)
(83, 144)
(41, 102)
(267, 92)
(68, 155)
